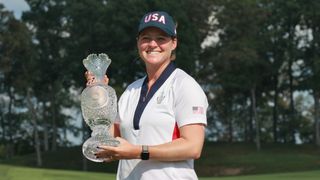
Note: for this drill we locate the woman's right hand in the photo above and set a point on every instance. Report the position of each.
(91, 80)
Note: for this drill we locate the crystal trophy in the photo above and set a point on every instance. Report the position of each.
(98, 106)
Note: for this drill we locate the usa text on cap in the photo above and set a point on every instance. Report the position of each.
(158, 19)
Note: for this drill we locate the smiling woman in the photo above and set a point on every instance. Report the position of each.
(161, 116)
(16, 6)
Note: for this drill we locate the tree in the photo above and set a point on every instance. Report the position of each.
(311, 49)
(15, 54)
(46, 19)
(238, 59)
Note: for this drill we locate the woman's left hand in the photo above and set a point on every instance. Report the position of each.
(124, 150)
(91, 79)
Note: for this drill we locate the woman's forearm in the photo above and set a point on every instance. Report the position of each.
(188, 146)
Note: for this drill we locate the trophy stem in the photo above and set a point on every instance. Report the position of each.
(99, 136)
(99, 79)
(100, 130)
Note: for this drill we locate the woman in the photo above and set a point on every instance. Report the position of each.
(162, 117)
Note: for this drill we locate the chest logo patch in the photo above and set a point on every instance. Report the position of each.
(160, 98)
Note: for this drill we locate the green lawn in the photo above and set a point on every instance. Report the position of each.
(242, 159)
(217, 160)
(23, 173)
(306, 175)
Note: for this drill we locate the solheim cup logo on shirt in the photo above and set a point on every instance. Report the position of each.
(160, 98)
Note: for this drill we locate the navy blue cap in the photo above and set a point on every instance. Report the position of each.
(158, 19)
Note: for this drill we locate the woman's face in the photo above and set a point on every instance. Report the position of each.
(155, 46)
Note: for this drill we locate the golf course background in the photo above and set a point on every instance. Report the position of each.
(23, 173)
(228, 161)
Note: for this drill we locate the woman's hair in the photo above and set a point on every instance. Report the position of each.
(173, 52)
(173, 55)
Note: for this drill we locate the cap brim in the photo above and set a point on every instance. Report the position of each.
(156, 25)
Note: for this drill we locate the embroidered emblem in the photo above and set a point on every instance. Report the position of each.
(160, 98)
(197, 110)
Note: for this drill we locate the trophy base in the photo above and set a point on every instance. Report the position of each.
(90, 147)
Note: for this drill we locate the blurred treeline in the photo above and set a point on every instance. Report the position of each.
(261, 72)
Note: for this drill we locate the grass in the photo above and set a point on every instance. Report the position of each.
(306, 175)
(23, 173)
(64, 158)
(243, 159)
(218, 159)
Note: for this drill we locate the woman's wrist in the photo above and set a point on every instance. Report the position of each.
(137, 152)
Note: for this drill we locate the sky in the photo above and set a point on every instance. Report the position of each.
(17, 6)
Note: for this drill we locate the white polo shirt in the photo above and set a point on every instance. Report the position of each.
(155, 118)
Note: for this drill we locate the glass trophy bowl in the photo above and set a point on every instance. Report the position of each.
(98, 106)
